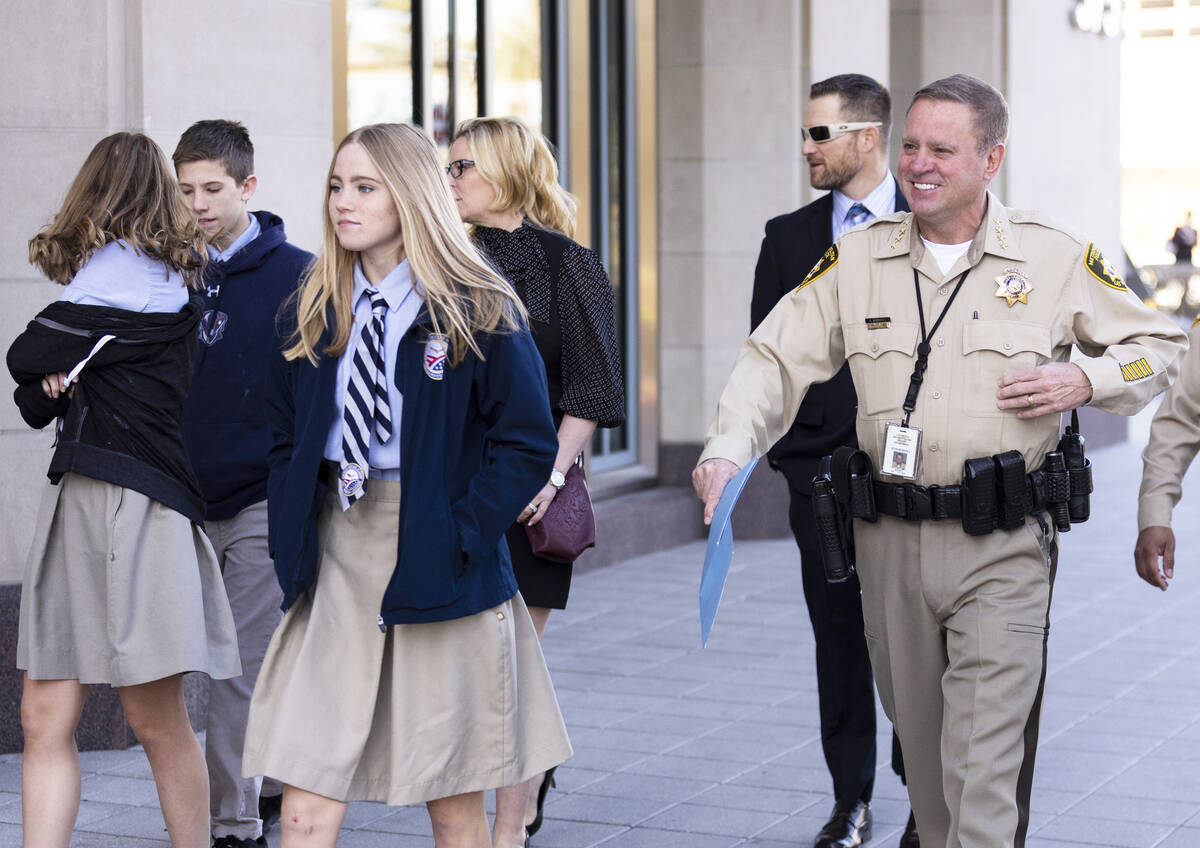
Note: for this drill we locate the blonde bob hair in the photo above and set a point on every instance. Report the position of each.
(463, 294)
(518, 164)
(125, 190)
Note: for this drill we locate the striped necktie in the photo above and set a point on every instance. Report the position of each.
(857, 213)
(366, 406)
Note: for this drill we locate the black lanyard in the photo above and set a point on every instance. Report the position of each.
(918, 374)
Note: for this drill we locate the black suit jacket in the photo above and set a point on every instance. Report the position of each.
(791, 247)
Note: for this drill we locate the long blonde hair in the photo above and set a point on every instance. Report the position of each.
(463, 294)
(517, 162)
(125, 190)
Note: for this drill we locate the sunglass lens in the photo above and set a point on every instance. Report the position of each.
(819, 133)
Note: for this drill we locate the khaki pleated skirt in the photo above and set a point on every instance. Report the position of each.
(423, 711)
(120, 589)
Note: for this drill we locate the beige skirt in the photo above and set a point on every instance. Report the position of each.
(120, 589)
(423, 711)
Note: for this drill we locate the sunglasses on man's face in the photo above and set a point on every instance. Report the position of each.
(456, 168)
(821, 133)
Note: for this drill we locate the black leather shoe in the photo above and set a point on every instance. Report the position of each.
(848, 827)
(910, 837)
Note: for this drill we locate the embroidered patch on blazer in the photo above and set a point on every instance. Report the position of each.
(1139, 369)
(828, 259)
(1102, 269)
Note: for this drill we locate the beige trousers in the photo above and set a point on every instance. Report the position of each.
(956, 627)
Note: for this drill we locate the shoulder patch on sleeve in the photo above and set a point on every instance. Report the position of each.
(1101, 269)
(828, 259)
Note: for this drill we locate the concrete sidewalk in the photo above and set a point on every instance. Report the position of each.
(676, 746)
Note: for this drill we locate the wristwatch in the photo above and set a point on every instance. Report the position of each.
(557, 480)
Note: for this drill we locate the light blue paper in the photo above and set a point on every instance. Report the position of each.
(720, 551)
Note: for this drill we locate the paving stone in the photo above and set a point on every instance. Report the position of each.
(1091, 831)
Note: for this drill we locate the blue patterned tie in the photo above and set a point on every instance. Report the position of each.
(366, 405)
(857, 214)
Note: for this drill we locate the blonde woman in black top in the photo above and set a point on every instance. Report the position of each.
(505, 182)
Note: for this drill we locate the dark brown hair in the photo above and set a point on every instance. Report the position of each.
(123, 191)
(217, 140)
(862, 99)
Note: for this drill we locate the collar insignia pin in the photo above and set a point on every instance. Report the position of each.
(899, 234)
(999, 230)
(1013, 286)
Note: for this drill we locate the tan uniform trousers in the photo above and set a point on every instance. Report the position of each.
(956, 627)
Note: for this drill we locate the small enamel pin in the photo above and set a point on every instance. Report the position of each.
(1013, 286)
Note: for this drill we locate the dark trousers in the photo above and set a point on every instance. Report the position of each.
(845, 688)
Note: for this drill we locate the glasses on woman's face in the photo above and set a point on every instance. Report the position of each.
(456, 168)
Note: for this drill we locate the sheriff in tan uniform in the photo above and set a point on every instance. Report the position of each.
(1174, 441)
(956, 624)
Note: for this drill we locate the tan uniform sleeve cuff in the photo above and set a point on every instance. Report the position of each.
(736, 449)
(1154, 511)
(1105, 377)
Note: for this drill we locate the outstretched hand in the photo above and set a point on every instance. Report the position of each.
(710, 479)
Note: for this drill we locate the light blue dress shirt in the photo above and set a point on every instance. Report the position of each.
(881, 201)
(116, 275)
(248, 235)
(404, 302)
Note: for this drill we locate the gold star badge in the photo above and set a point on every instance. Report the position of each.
(1013, 286)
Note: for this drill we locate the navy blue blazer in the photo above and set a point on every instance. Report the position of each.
(791, 247)
(476, 444)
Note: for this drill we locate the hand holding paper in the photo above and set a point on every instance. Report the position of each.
(720, 537)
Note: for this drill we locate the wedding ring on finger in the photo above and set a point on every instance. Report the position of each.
(1029, 400)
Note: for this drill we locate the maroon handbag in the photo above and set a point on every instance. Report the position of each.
(569, 526)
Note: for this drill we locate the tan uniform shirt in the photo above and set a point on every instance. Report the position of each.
(859, 304)
(1174, 440)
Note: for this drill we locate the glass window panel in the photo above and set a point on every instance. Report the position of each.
(515, 71)
(437, 19)
(466, 52)
(379, 61)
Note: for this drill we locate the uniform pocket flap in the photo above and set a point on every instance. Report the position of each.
(1006, 337)
(900, 338)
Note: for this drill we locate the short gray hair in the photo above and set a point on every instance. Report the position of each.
(986, 103)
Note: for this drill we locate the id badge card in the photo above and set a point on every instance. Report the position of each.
(901, 451)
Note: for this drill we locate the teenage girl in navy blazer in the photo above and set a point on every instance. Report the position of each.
(406, 668)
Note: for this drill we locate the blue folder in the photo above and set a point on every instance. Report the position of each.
(720, 551)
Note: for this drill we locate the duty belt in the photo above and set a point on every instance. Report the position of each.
(912, 502)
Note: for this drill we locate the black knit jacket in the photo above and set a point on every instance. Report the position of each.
(121, 424)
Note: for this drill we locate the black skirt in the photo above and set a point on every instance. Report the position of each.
(543, 583)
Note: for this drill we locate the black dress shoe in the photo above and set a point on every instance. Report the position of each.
(910, 838)
(848, 827)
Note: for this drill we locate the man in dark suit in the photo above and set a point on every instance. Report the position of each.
(845, 132)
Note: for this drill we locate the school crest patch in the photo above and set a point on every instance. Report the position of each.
(434, 358)
(828, 259)
(1102, 269)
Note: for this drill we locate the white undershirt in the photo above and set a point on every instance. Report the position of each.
(945, 254)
